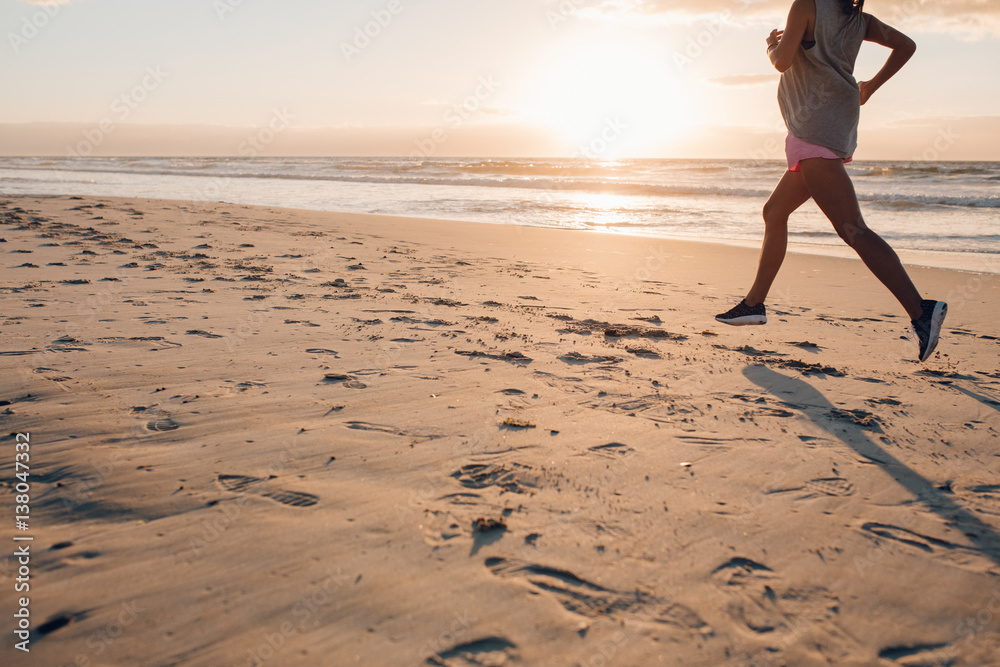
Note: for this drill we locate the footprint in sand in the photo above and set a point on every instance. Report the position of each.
(911, 538)
(463, 515)
(762, 605)
(984, 497)
(508, 477)
(643, 352)
(612, 450)
(391, 430)
(916, 655)
(584, 598)
(831, 486)
(516, 399)
(488, 651)
(60, 621)
(654, 407)
(165, 424)
(451, 303)
(262, 487)
(511, 357)
(346, 380)
(73, 558)
(828, 486)
(379, 428)
(440, 527)
(82, 556)
(206, 334)
(577, 358)
(718, 444)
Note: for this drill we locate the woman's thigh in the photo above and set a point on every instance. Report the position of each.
(789, 194)
(831, 188)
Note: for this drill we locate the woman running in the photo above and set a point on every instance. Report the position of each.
(820, 101)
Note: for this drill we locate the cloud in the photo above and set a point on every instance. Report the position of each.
(744, 80)
(974, 18)
(497, 111)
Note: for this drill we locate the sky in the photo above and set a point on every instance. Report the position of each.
(486, 78)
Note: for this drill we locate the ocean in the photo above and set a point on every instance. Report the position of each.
(939, 208)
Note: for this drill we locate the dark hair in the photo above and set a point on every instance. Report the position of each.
(852, 6)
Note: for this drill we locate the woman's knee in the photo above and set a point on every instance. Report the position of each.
(774, 216)
(851, 232)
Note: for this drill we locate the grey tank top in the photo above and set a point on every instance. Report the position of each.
(818, 95)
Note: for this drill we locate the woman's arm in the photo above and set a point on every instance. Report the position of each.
(784, 45)
(902, 49)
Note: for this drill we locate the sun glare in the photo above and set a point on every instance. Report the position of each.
(610, 98)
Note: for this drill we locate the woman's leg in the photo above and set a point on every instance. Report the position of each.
(832, 190)
(788, 195)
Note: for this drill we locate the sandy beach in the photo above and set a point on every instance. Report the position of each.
(264, 436)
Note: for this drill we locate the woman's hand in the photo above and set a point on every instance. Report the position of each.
(867, 90)
(774, 37)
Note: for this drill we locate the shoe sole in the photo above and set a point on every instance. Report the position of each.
(744, 321)
(937, 321)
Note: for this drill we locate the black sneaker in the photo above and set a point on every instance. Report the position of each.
(928, 327)
(742, 314)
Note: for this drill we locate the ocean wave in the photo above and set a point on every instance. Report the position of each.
(576, 167)
(927, 201)
(925, 170)
(814, 234)
(540, 169)
(960, 185)
(595, 185)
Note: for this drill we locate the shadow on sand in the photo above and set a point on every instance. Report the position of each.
(805, 398)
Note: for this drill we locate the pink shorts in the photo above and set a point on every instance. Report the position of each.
(797, 150)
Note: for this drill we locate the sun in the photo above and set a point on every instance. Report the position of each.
(609, 98)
